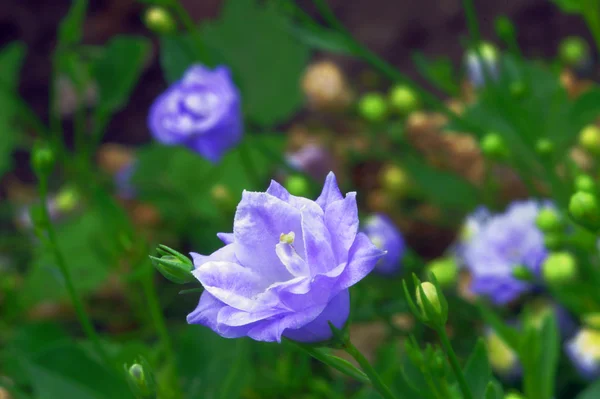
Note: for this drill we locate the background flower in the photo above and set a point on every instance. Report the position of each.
(584, 351)
(385, 235)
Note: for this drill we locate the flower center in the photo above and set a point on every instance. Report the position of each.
(201, 104)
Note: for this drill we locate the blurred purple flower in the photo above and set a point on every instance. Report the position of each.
(503, 242)
(384, 235)
(312, 159)
(584, 351)
(125, 189)
(481, 64)
(286, 268)
(202, 111)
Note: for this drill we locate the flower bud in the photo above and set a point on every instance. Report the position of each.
(141, 380)
(574, 51)
(394, 180)
(559, 267)
(585, 183)
(589, 139)
(42, 160)
(67, 200)
(173, 266)
(445, 270)
(297, 185)
(493, 146)
(544, 147)
(514, 395)
(548, 220)
(502, 357)
(403, 99)
(372, 107)
(522, 273)
(159, 20)
(584, 210)
(431, 295)
(221, 195)
(504, 28)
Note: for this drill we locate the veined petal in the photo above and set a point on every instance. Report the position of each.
(235, 317)
(341, 219)
(206, 314)
(225, 254)
(362, 257)
(317, 243)
(330, 193)
(292, 261)
(277, 190)
(227, 238)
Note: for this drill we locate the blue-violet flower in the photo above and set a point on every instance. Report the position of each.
(385, 236)
(584, 351)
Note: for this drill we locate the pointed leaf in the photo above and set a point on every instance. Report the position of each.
(477, 371)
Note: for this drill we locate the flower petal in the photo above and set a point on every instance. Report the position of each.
(341, 219)
(225, 254)
(362, 257)
(227, 238)
(292, 261)
(317, 242)
(330, 193)
(234, 317)
(206, 314)
(277, 190)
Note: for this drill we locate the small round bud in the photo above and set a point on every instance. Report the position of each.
(585, 183)
(493, 147)
(42, 159)
(141, 380)
(522, 273)
(159, 20)
(548, 220)
(502, 357)
(67, 199)
(584, 210)
(432, 296)
(372, 107)
(445, 271)
(513, 395)
(553, 241)
(394, 180)
(559, 267)
(544, 147)
(403, 99)
(297, 185)
(589, 139)
(574, 51)
(504, 28)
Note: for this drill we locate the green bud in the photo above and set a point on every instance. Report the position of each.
(504, 28)
(372, 107)
(553, 241)
(544, 147)
(445, 270)
(585, 183)
(584, 210)
(514, 395)
(502, 357)
(592, 320)
(141, 380)
(173, 265)
(42, 160)
(493, 146)
(394, 180)
(522, 273)
(548, 220)
(221, 196)
(67, 199)
(432, 296)
(159, 20)
(297, 185)
(403, 99)
(589, 139)
(573, 51)
(559, 267)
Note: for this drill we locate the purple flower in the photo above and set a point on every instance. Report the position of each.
(312, 159)
(482, 64)
(286, 268)
(123, 184)
(384, 235)
(584, 351)
(503, 242)
(201, 111)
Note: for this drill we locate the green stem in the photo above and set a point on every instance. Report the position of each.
(191, 28)
(591, 15)
(369, 370)
(472, 23)
(84, 320)
(462, 383)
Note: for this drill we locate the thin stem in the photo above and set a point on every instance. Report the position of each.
(369, 370)
(592, 18)
(472, 23)
(454, 363)
(84, 320)
(191, 28)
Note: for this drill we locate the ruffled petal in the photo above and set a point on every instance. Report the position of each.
(277, 190)
(362, 257)
(227, 238)
(206, 314)
(330, 193)
(292, 261)
(341, 219)
(317, 242)
(225, 254)
(235, 317)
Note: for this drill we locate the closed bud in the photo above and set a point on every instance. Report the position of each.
(504, 28)
(559, 267)
(544, 147)
(372, 107)
(403, 99)
(159, 20)
(221, 196)
(574, 51)
(297, 185)
(522, 273)
(584, 210)
(585, 183)
(513, 395)
(42, 160)
(502, 357)
(445, 270)
(173, 266)
(548, 220)
(67, 200)
(432, 297)
(589, 139)
(394, 180)
(141, 380)
(493, 146)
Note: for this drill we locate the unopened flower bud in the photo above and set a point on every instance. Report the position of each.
(42, 159)
(504, 28)
(559, 267)
(141, 380)
(502, 357)
(585, 183)
(67, 200)
(175, 266)
(544, 147)
(589, 139)
(394, 180)
(584, 210)
(372, 107)
(574, 51)
(513, 395)
(297, 185)
(432, 296)
(159, 20)
(403, 99)
(548, 220)
(445, 270)
(493, 146)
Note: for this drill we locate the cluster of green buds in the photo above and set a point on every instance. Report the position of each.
(401, 100)
(584, 210)
(552, 226)
(141, 379)
(173, 265)
(493, 147)
(589, 139)
(431, 308)
(574, 51)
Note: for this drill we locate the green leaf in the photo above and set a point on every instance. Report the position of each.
(508, 334)
(335, 362)
(324, 39)
(176, 55)
(585, 109)
(591, 392)
(548, 359)
(266, 60)
(569, 6)
(494, 390)
(70, 30)
(477, 371)
(66, 371)
(11, 61)
(118, 70)
(439, 72)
